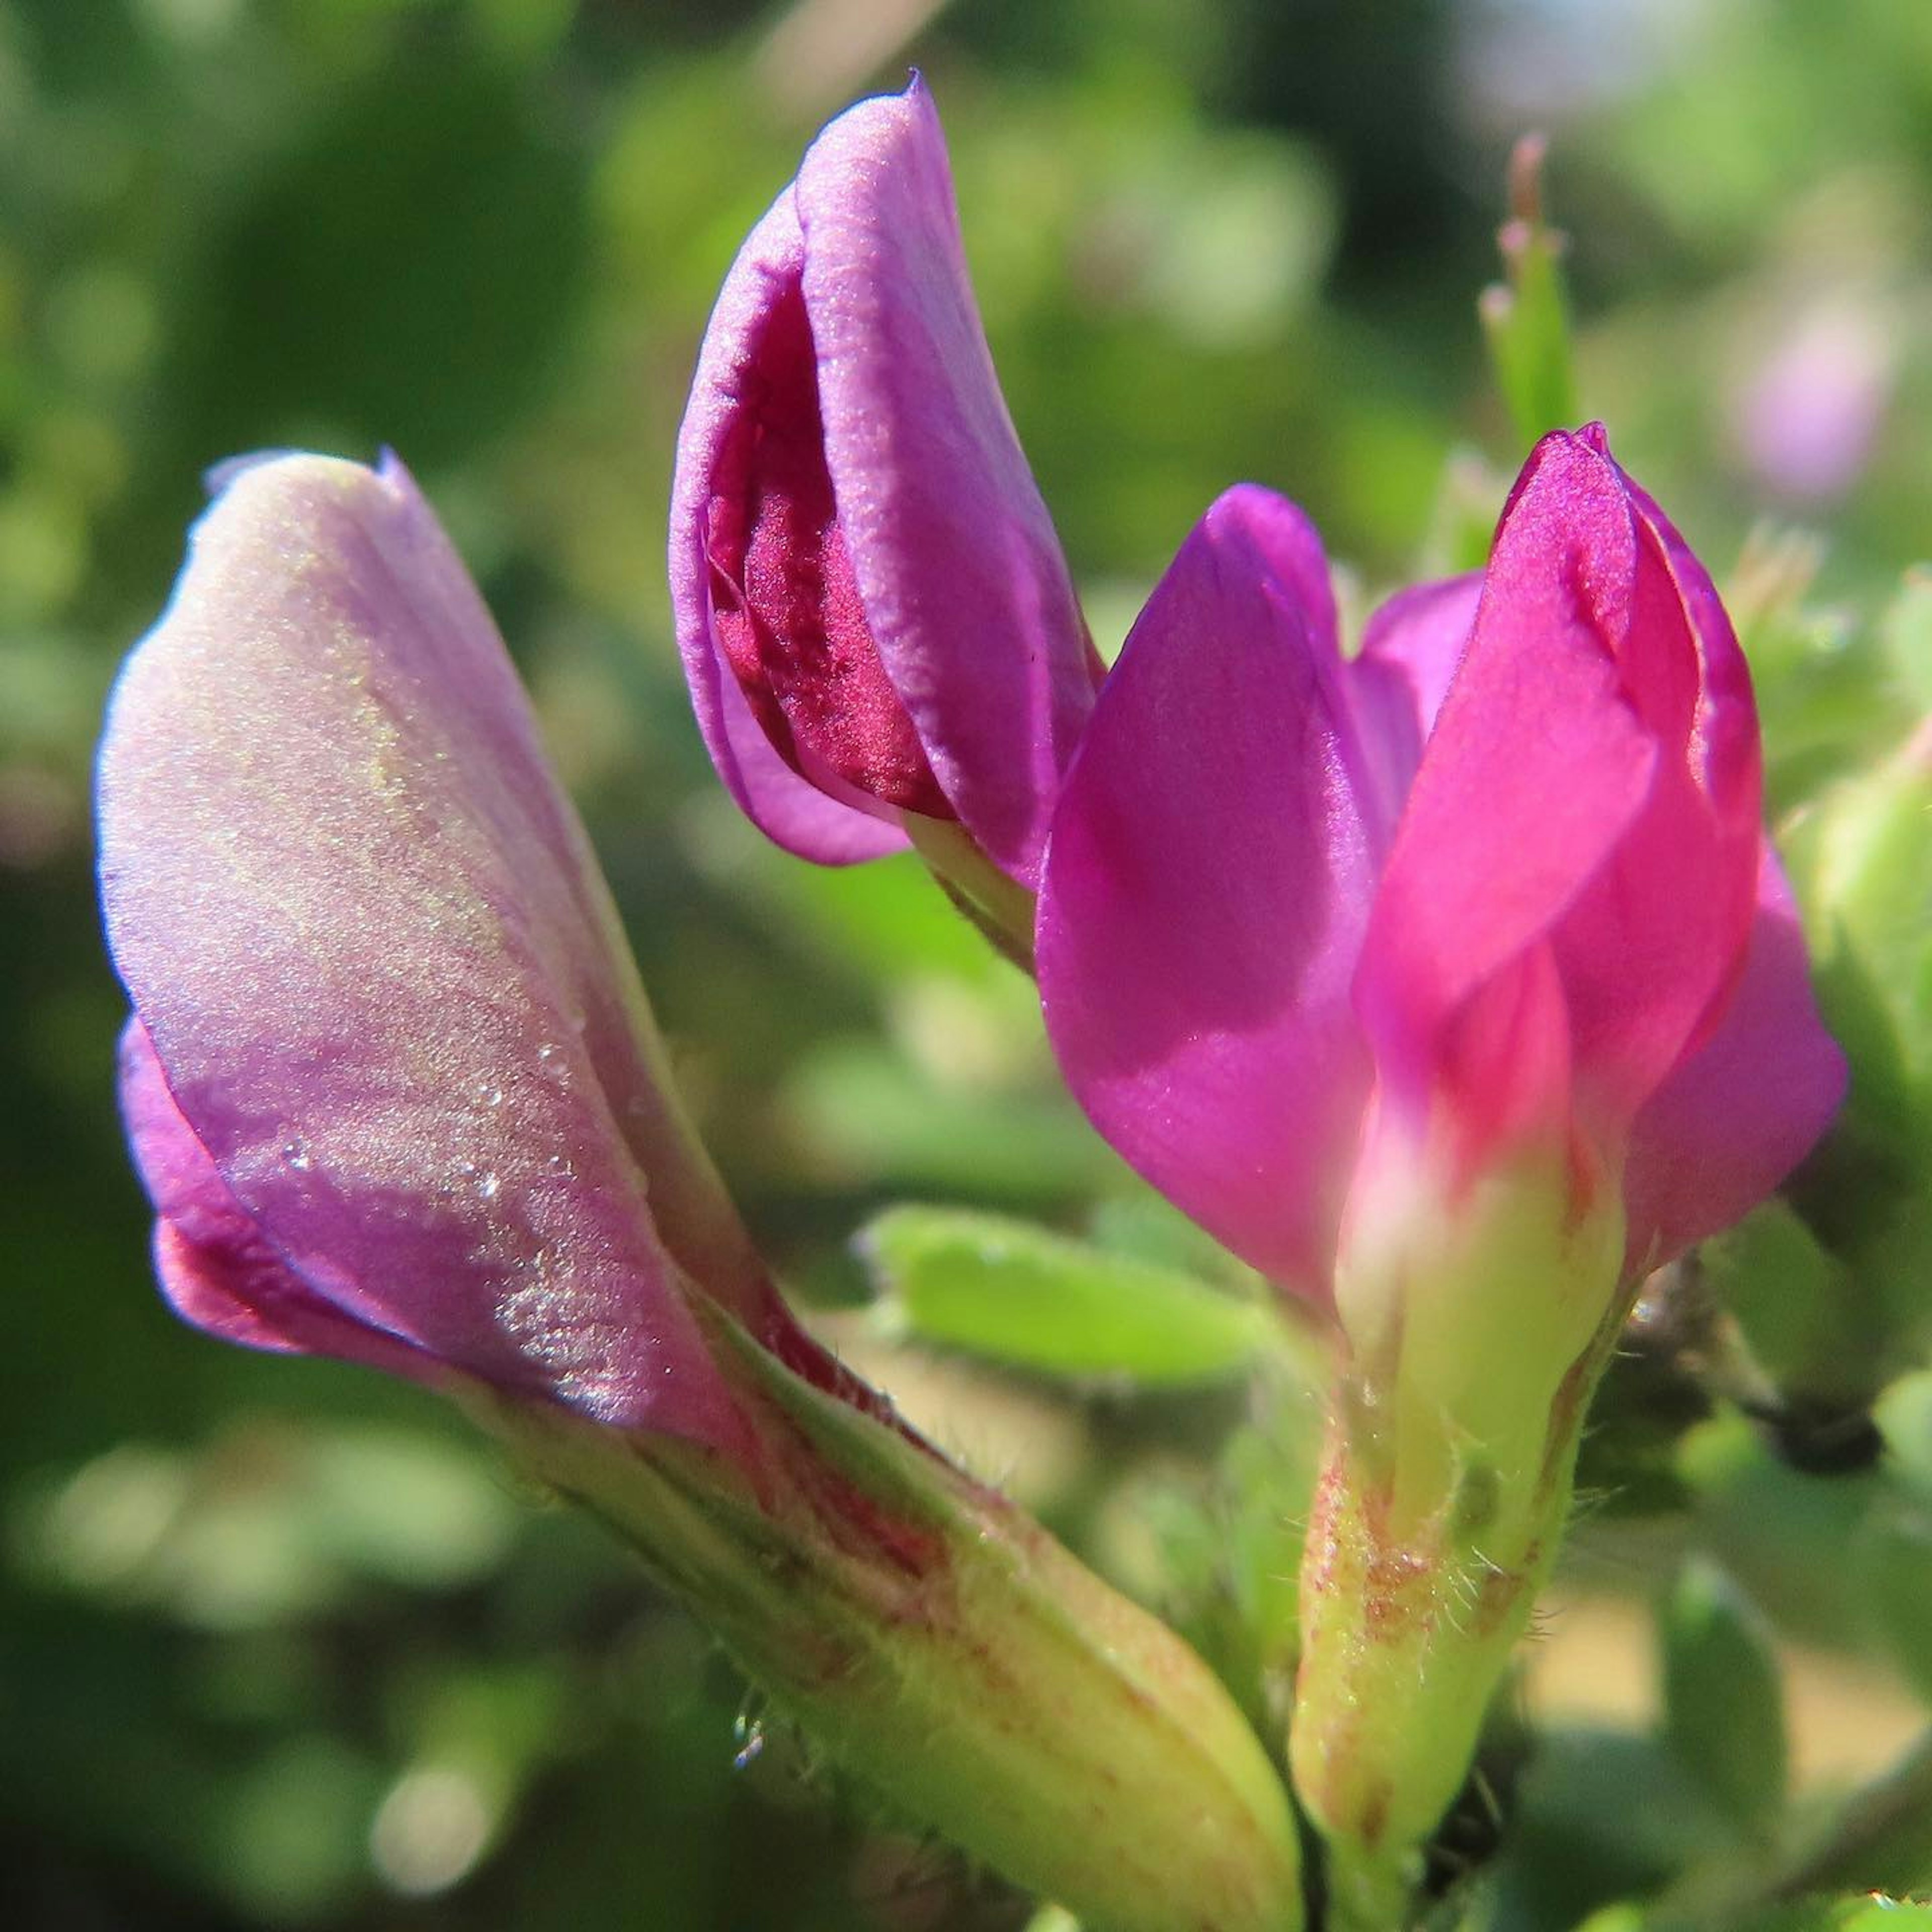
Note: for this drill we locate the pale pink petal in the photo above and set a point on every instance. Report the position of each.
(381, 973)
(214, 1264)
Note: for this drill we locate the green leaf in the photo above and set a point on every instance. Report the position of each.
(1526, 318)
(1872, 890)
(1798, 1313)
(1896, 1559)
(1866, 1912)
(866, 1116)
(1724, 1700)
(1894, 1549)
(1007, 1288)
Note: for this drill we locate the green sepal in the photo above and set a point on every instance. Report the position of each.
(942, 1649)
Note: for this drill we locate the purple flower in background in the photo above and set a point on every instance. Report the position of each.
(1810, 411)
(875, 617)
(391, 1080)
(1495, 888)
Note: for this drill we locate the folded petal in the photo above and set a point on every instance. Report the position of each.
(1745, 1107)
(752, 528)
(959, 572)
(1538, 765)
(1205, 892)
(870, 602)
(383, 981)
(214, 1264)
(1598, 739)
(1659, 934)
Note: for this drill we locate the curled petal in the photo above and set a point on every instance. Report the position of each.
(962, 577)
(383, 981)
(1744, 1109)
(856, 540)
(1659, 935)
(1204, 894)
(214, 1264)
(1537, 767)
(809, 819)
(1591, 784)
(782, 776)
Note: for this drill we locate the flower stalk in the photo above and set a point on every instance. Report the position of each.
(1444, 1488)
(940, 1647)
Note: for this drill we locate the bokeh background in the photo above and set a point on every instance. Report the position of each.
(280, 1646)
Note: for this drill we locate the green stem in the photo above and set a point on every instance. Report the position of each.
(1367, 1891)
(1003, 911)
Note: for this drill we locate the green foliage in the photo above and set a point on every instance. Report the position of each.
(1526, 319)
(1008, 1290)
(1724, 1704)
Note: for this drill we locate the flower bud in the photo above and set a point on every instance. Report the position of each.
(878, 627)
(394, 1090)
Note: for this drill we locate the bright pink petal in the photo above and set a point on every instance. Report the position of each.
(961, 576)
(1204, 895)
(1420, 635)
(1538, 765)
(727, 638)
(1741, 1112)
(1506, 1057)
(1659, 934)
(381, 973)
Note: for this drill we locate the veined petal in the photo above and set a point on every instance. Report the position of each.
(1204, 894)
(961, 578)
(1744, 1107)
(382, 978)
(817, 821)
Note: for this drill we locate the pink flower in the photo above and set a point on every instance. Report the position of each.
(391, 1081)
(875, 617)
(1497, 885)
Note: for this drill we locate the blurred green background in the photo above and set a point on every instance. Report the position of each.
(281, 1646)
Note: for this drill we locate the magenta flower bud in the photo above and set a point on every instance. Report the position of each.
(876, 619)
(391, 1080)
(1497, 881)
(1455, 986)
